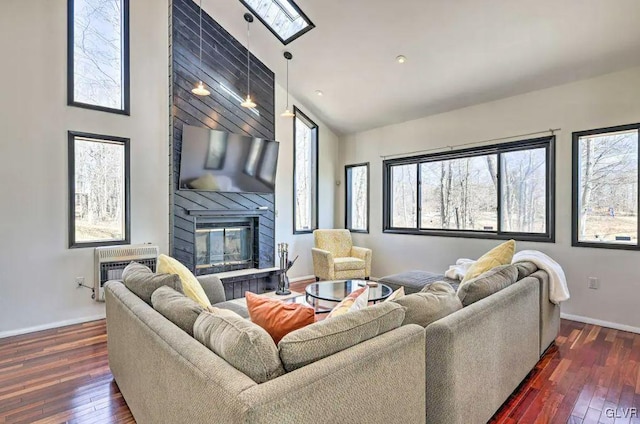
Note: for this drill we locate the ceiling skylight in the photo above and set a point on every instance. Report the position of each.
(283, 17)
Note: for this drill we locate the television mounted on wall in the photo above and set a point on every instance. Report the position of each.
(213, 160)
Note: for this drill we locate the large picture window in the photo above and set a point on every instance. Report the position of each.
(305, 174)
(98, 190)
(605, 187)
(501, 191)
(98, 55)
(357, 197)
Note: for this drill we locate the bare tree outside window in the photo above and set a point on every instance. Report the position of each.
(99, 190)
(98, 53)
(608, 188)
(357, 180)
(404, 196)
(305, 174)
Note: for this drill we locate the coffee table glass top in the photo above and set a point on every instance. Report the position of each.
(335, 291)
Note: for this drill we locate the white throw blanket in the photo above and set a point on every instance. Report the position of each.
(558, 290)
(457, 271)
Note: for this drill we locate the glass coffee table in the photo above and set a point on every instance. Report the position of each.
(324, 295)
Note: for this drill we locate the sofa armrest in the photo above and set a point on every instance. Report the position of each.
(477, 356)
(386, 372)
(323, 264)
(213, 288)
(364, 254)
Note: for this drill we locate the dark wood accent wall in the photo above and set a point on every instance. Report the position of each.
(224, 62)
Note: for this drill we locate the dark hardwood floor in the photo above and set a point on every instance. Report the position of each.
(62, 375)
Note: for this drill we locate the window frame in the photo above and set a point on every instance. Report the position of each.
(72, 136)
(348, 197)
(547, 142)
(575, 181)
(314, 178)
(126, 77)
(300, 33)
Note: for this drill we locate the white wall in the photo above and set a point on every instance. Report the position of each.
(605, 101)
(301, 244)
(37, 270)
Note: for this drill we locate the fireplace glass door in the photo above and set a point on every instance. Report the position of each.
(224, 246)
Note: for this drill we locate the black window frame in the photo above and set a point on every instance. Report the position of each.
(126, 77)
(300, 33)
(347, 206)
(547, 142)
(575, 181)
(314, 213)
(72, 136)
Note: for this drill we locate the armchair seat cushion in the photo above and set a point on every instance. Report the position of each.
(348, 264)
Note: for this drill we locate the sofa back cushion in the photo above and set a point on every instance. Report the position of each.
(525, 269)
(176, 307)
(142, 282)
(243, 344)
(435, 301)
(324, 338)
(487, 284)
(338, 242)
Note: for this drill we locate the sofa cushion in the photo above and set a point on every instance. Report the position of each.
(416, 280)
(190, 284)
(348, 264)
(435, 301)
(176, 307)
(230, 305)
(487, 284)
(142, 282)
(356, 300)
(324, 338)
(278, 318)
(241, 343)
(499, 255)
(525, 269)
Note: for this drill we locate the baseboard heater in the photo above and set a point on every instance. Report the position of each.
(111, 261)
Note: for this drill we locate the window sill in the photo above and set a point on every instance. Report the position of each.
(595, 245)
(539, 238)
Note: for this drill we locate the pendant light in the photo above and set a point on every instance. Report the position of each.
(287, 113)
(199, 89)
(248, 103)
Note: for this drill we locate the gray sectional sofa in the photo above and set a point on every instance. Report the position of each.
(472, 361)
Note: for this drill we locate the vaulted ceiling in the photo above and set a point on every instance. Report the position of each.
(459, 53)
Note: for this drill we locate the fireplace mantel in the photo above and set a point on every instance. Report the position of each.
(227, 212)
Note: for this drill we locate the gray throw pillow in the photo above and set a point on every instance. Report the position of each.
(435, 301)
(243, 344)
(525, 269)
(176, 307)
(487, 284)
(324, 338)
(140, 280)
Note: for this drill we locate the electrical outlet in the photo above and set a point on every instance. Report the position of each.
(594, 283)
(79, 282)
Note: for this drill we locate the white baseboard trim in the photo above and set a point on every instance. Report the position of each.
(57, 324)
(303, 278)
(601, 323)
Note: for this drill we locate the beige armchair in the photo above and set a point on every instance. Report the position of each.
(336, 258)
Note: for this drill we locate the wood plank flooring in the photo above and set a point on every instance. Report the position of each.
(62, 375)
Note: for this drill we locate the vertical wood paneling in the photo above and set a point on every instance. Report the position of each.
(223, 63)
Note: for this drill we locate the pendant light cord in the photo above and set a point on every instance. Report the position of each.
(200, 38)
(248, 58)
(287, 84)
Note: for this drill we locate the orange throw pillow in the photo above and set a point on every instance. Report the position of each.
(276, 317)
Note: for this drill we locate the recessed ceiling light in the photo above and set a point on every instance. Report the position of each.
(319, 93)
(401, 59)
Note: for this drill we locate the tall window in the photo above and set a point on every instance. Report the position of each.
(605, 187)
(98, 54)
(501, 191)
(98, 190)
(305, 174)
(357, 201)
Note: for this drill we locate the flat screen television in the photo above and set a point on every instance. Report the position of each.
(213, 160)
